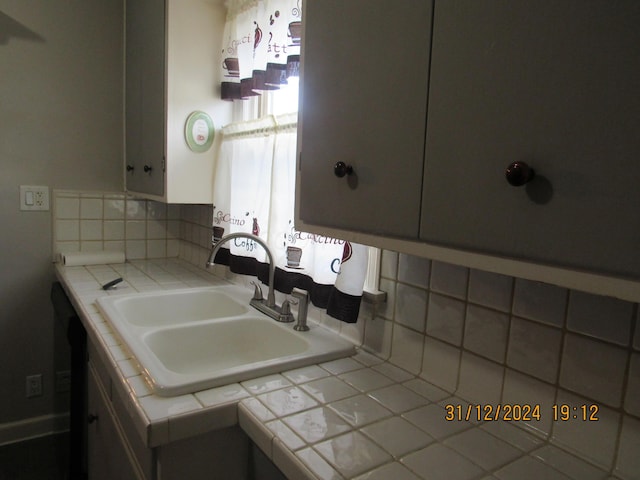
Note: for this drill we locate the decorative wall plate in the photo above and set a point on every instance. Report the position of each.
(199, 131)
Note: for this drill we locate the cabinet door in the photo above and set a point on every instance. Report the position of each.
(551, 83)
(108, 457)
(145, 96)
(363, 102)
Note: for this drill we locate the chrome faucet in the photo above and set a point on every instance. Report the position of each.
(268, 307)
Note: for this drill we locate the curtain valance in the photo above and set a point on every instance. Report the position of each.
(261, 46)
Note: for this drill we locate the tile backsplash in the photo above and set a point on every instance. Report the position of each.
(93, 221)
(486, 338)
(492, 339)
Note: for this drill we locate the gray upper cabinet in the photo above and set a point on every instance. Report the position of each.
(145, 96)
(363, 103)
(430, 115)
(554, 84)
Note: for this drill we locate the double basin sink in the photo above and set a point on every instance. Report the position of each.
(193, 339)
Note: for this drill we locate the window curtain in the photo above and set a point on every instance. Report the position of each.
(261, 46)
(254, 193)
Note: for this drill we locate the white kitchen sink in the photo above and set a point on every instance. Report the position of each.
(182, 306)
(194, 339)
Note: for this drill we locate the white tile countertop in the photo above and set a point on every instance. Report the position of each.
(355, 418)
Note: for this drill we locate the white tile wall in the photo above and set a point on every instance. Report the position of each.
(540, 301)
(195, 233)
(486, 332)
(411, 307)
(520, 389)
(415, 271)
(489, 338)
(605, 318)
(445, 318)
(406, 348)
(389, 265)
(594, 369)
(94, 221)
(449, 279)
(491, 290)
(440, 364)
(534, 349)
(378, 335)
(480, 380)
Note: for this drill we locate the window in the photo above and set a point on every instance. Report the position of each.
(273, 102)
(255, 178)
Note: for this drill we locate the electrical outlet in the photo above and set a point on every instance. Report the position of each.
(34, 385)
(34, 197)
(63, 381)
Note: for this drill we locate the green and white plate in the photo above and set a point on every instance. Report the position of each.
(199, 131)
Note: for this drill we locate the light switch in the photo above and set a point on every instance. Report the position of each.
(34, 197)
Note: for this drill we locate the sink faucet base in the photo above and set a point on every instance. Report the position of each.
(277, 313)
(268, 306)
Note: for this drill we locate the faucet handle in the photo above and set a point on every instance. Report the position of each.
(257, 292)
(285, 313)
(286, 307)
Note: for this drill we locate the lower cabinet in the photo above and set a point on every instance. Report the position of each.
(261, 467)
(219, 454)
(110, 454)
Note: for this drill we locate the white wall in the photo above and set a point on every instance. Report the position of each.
(61, 103)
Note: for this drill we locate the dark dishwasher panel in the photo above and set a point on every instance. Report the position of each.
(77, 337)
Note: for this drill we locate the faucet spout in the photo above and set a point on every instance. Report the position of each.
(271, 297)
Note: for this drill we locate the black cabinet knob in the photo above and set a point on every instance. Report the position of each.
(341, 169)
(130, 168)
(147, 168)
(92, 418)
(519, 173)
